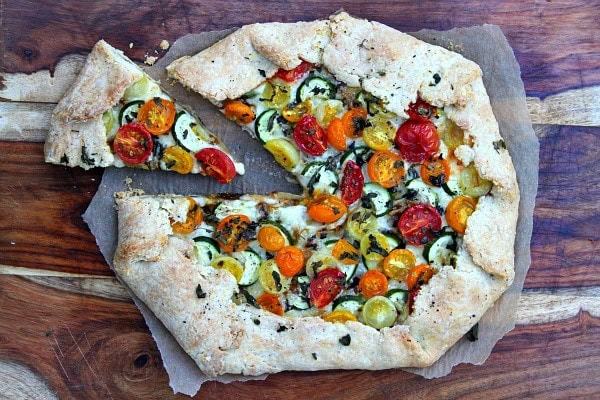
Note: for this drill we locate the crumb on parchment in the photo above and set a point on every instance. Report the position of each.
(164, 44)
(150, 60)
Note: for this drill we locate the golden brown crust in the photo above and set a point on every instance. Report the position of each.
(398, 69)
(77, 136)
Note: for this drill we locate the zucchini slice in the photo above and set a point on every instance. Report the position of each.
(320, 178)
(299, 300)
(441, 251)
(400, 299)
(417, 190)
(206, 249)
(315, 87)
(269, 126)
(190, 133)
(379, 197)
(359, 155)
(349, 302)
(129, 112)
(251, 262)
(452, 188)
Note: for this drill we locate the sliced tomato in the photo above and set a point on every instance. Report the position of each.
(327, 209)
(417, 140)
(231, 233)
(133, 143)
(216, 164)
(419, 224)
(310, 137)
(178, 159)
(435, 171)
(412, 295)
(157, 115)
(352, 183)
(373, 283)
(270, 302)
(294, 74)
(239, 112)
(290, 261)
(386, 168)
(418, 276)
(326, 287)
(458, 212)
(421, 110)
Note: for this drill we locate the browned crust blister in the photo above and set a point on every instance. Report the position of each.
(224, 338)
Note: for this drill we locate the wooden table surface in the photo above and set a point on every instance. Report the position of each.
(69, 330)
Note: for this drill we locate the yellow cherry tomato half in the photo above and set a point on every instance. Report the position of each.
(458, 211)
(271, 238)
(327, 209)
(340, 317)
(386, 168)
(295, 111)
(178, 159)
(239, 112)
(193, 219)
(290, 261)
(373, 283)
(230, 264)
(157, 115)
(397, 264)
(345, 253)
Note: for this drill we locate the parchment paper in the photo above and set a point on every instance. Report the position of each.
(485, 45)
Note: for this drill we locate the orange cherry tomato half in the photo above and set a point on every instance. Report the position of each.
(354, 121)
(419, 224)
(270, 238)
(373, 283)
(326, 287)
(327, 209)
(345, 253)
(290, 261)
(418, 275)
(157, 115)
(270, 302)
(310, 137)
(193, 219)
(335, 134)
(417, 140)
(352, 183)
(239, 112)
(421, 110)
(386, 168)
(216, 164)
(231, 233)
(294, 74)
(340, 317)
(435, 171)
(458, 211)
(133, 143)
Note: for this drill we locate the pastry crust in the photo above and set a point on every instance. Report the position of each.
(162, 270)
(77, 136)
(392, 66)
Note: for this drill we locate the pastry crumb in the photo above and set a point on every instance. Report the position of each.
(131, 45)
(164, 44)
(150, 60)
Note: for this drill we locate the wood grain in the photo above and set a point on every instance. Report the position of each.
(555, 41)
(42, 207)
(81, 339)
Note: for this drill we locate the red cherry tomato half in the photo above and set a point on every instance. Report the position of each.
(326, 286)
(419, 224)
(310, 137)
(352, 183)
(294, 74)
(133, 143)
(216, 164)
(421, 110)
(417, 140)
(412, 296)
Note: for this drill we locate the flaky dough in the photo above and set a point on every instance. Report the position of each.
(225, 338)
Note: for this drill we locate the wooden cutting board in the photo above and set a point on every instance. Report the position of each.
(69, 330)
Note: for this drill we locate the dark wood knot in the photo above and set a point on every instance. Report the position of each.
(141, 361)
